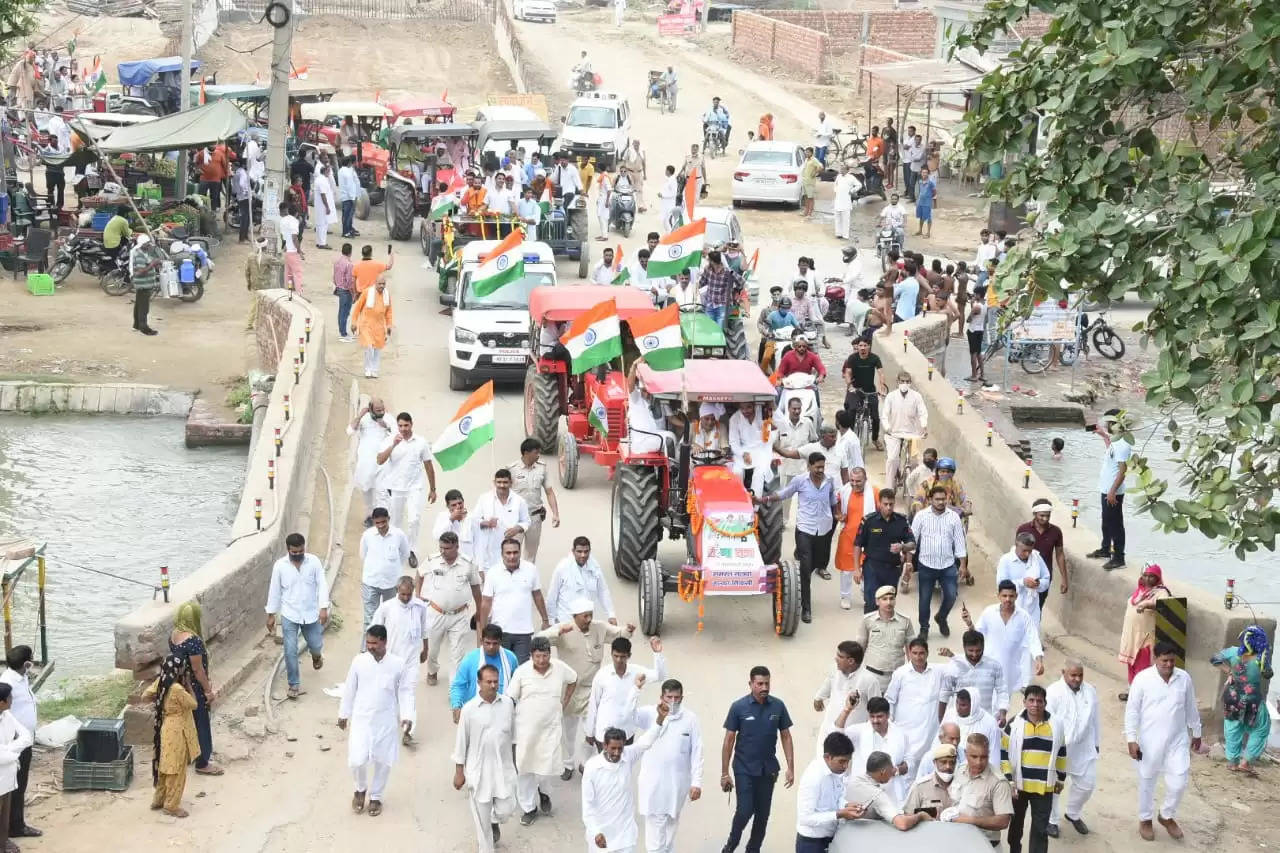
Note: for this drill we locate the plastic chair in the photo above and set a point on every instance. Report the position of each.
(35, 250)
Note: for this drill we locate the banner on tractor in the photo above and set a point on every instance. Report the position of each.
(731, 563)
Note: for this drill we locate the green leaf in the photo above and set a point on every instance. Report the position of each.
(1238, 272)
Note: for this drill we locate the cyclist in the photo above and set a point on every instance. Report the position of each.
(718, 116)
(863, 377)
(905, 418)
(944, 475)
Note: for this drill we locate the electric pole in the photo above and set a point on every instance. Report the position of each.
(184, 96)
(277, 129)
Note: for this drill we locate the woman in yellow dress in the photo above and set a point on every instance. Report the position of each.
(176, 744)
(371, 316)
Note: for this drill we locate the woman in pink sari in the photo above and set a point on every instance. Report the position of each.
(1138, 634)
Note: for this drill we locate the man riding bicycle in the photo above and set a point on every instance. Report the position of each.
(905, 418)
(719, 117)
(863, 378)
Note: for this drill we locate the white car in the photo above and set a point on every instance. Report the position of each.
(597, 125)
(722, 227)
(769, 172)
(490, 334)
(535, 10)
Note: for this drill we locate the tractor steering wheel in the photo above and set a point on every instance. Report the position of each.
(715, 456)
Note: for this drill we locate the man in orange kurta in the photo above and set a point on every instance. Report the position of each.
(372, 318)
(475, 200)
(765, 131)
(858, 500)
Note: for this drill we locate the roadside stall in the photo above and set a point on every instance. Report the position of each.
(152, 86)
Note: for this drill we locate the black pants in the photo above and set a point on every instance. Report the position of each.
(141, 306)
(204, 730)
(55, 182)
(808, 547)
(214, 189)
(519, 644)
(17, 820)
(805, 844)
(872, 402)
(243, 205)
(1113, 527)
(822, 556)
(754, 799)
(875, 576)
(1039, 806)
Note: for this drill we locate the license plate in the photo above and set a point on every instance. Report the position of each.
(508, 359)
(764, 179)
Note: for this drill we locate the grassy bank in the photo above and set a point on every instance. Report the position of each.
(95, 697)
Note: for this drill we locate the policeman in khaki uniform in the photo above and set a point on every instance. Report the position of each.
(449, 583)
(529, 481)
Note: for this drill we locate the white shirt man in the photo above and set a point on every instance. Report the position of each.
(289, 229)
(464, 528)
(603, 272)
(1020, 568)
(404, 473)
(913, 695)
(405, 618)
(987, 251)
(902, 415)
(667, 202)
(842, 201)
(579, 576)
(613, 694)
(849, 452)
(61, 133)
(608, 801)
(375, 689)
(820, 797)
(894, 216)
(892, 741)
(1073, 705)
(509, 594)
(1160, 711)
(502, 200)
(540, 698)
(322, 192)
(984, 681)
(448, 584)
(836, 688)
(348, 184)
(253, 156)
(566, 178)
(15, 738)
(750, 440)
(383, 550)
(508, 513)
(670, 772)
(298, 591)
(1013, 639)
(823, 134)
(372, 433)
(482, 758)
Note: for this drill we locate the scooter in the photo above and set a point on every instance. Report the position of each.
(872, 182)
(190, 269)
(622, 211)
(781, 340)
(835, 296)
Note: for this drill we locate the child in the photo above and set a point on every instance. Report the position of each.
(176, 744)
(1057, 444)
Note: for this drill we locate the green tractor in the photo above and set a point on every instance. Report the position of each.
(703, 337)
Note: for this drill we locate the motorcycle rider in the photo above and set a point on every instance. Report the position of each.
(762, 321)
(807, 309)
(781, 316)
(852, 280)
(894, 216)
(582, 73)
(719, 116)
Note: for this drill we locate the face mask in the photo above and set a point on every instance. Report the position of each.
(929, 463)
(674, 708)
(377, 416)
(296, 558)
(945, 777)
(903, 387)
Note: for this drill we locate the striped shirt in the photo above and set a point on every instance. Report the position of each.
(939, 538)
(984, 681)
(1035, 757)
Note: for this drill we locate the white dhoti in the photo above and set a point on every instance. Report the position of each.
(451, 631)
(323, 219)
(602, 213)
(406, 513)
(1079, 787)
(409, 698)
(664, 215)
(374, 497)
(660, 833)
(842, 218)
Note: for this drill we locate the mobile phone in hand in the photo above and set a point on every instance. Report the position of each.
(388, 248)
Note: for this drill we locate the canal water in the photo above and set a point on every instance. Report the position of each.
(1186, 558)
(117, 494)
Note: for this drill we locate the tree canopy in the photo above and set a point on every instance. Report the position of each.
(1159, 176)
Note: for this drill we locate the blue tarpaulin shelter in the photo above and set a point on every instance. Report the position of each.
(140, 73)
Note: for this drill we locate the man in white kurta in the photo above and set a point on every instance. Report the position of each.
(542, 688)
(500, 514)
(615, 689)
(326, 209)
(1025, 567)
(608, 798)
(579, 576)
(949, 734)
(371, 428)
(671, 771)
(750, 440)
(1160, 711)
(375, 689)
(405, 618)
(972, 718)
(456, 518)
(405, 472)
(1012, 638)
(482, 757)
(848, 676)
(1074, 706)
(913, 695)
(879, 734)
(667, 199)
(581, 643)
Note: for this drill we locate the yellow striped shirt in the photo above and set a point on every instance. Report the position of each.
(1037, 748)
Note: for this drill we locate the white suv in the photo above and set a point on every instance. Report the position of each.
(597, 125)
(535, 10)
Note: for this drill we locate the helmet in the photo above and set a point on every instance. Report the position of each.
(849, 252)
(946, 463)
(799, 284)
(784, 303)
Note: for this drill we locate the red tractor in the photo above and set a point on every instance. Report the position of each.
(733, 546)
(552, 391)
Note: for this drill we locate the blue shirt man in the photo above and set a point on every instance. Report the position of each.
(752, 729)
(465, 681)
(815, 523)
(779, 319)
(906, 295)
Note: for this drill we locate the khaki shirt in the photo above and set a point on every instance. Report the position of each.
(446, 586)
(928, 794)
(985, 796)
(583, 652)
(528, 483)
(864, 791)
(885, 641)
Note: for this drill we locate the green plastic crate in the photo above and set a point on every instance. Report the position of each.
(40, 284)
(97, 775)
(150, 190)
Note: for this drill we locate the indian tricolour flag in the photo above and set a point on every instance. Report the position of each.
(598, 415)
(545, 201)
(658, 338)
(679, 250)
(470, 429)
(623, 276)
(503, 265)
(443, 205)
(595, 338)
(97, 78)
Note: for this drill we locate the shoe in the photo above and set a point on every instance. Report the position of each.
(1052, 830)
(943, 628)
(806, 616)
(1100, 554)
(528, 818)
(432, 679)
(29, 832)
(924, 632)
(497, 833)
(355, 233)
(1079, 825)
(845, 604)
(544, 803)
(1171, 826)
(1145, 830)
(825, 574)
(413, 560)
(879, 444)
(566, 774)
(1113, 564)
(147, 330)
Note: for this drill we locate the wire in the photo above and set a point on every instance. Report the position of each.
(150, 586)
(250, 50)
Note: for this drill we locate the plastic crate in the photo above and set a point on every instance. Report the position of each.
(101, 738)
(101, 217)
(40, 284)
(97, 775)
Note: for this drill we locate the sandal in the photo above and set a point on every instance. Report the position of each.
(375, 808)
(1124, 697)
(177, 813)
(357, 802)
(210, 770)
(294, 693)
(317, 661)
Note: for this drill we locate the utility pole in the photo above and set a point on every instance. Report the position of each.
(277, 129)
(184, 96)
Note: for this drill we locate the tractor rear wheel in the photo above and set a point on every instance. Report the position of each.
(634, 528)
(584, 260)
(399, 205)
(786, 598)
(770, 523)
(735, 339)
(651, 601)
(541, 408)
(363, 205)
(568, 460)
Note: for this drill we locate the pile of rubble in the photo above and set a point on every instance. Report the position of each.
(112, 8)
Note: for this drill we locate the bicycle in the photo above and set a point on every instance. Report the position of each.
(860, 411)
(908, 449)
(851, 152)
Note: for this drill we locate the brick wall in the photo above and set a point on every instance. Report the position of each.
(753, 35)
(791, 45)
(912, 33)
(843, 29)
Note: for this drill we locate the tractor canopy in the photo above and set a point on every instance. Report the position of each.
(700, 332)
(426, 132)
(425, 106)
(321, 110)
(715, 381)
(515, 130)
(563, 304)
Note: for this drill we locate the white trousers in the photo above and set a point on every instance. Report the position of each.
(483, 818)
(602, 217)
(533, 537)
(380, 774)
(527, 787)
(660, 833)
(322, 226)
(618, 11)
(1175, 785)
(893, 446)
(846, 583)
(842, 226)
(1079, 789)
(374, 498)
(406, 513)
(409, 702)
(372, 361)
(449, 632)
(573, 743)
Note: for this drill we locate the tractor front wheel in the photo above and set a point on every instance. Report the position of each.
(651, 592)
(770, 523)
(634, 530)
(786, 599)
(541, 408)
(399, 210)
(568, 460)
(363, 205)
(735, 339)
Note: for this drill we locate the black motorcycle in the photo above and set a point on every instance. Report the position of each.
(87, 253)
(713, 139)
(872, 181)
